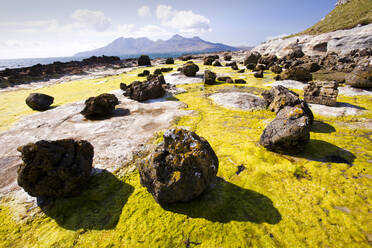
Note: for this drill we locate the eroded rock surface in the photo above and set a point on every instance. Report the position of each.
(321, 93)
(55, 168)
(179, 169)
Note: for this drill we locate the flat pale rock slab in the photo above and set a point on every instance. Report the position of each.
(176, 78)
(239, 100)
(114, 139)
(342, 109)
(290, 84)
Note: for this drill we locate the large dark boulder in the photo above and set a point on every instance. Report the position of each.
(179, 169)
(100, 106)
(55, 168)
(297, 73)
(268, 60)
(144, 60)
(169, 61)
(142, 91)
(39, 101)
(208, 60)
(252, 58)
(289, 132)
(209, 77)
(360, 77)
(190, 69)
(217, 63)
(279, 97)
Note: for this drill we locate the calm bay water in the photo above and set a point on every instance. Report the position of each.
(17, 63)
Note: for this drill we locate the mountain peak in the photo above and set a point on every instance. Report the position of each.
(177, 37)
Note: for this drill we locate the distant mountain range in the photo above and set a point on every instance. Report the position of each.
(176, 44)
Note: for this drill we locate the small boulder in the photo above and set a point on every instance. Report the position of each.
(258, 74)
(241, 71)
(223, 78)
(279, 97)
(235, 67)
(276, 69)
(289, 132)
(297, 73)
(169, 61)
(324, 93)
(157, 71)
(142, 91)
(209, 77)
(145, 73)
(123, 86)
(229, 81)
(227, 57)
(100, 106)
(144, 60)
(252, 58)
(180, 169)
(39, 101)
(55, 168)
(251, 66)
(190, 69)
(208, 60)
(240, 81)
(217, 63)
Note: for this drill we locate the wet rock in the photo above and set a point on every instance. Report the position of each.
(252, 58)
(39, 101)
(209, 77)
(289, 132)
(55, 168)
(145, 73)
(217, 63)
(297, 73)
(144, 60)
(360, 77)
(179, 169)
(100, 106)
(324, 93)
(142, 91)
(258, 74)
(169, 61)
(279, 97)
(276, 69)
(190, 69)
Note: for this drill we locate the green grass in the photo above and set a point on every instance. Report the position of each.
(344, 16)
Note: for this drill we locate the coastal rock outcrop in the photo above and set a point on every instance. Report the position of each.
(100, 106)
(142, 91)
(190, 69)
(179, 169)
(324, 93)
(289, 132)
(55, 168)
(39, 101)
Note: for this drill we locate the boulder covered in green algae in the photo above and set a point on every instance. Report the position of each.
(279, 97)
(289, 132)
(179, 169)
(100, 106)
(55, 168)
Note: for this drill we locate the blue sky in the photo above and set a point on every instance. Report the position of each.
(41, 28)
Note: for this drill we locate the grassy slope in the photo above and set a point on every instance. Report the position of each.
(343, 17)
(264, 206)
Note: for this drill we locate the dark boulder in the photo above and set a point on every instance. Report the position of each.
(252, 58)
(241, 71)
(232, 63)
(258, 74)
(39, 101)
(209, 77)
(180, 169)
(223, 79)
(190, 69)
(208, 60)
(360, 77)
(268, 60)
(217, 63)
(235, 67)
(289, 132)
(166, 69)
(297, 73)
(157, 71)
(227, 57)
(144, 60)
(100, 106)
(276, 69)
(145, 73)
(240, 81)
(123, 86)
(229, 81)
(55, 168)
(169, 61)
(142, 91)
(312, 67)
(279, 97)
(251, 66)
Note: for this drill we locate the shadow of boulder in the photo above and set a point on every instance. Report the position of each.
(348, 105)
(98, 207)
(118, 112)
(322, 127)
(228, 202)
(322, 151)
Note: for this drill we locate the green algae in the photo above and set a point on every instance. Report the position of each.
(264, 206)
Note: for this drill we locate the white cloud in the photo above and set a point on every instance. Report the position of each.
(150, 31)
(183, 21)
(94, 19)
(144, 11)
